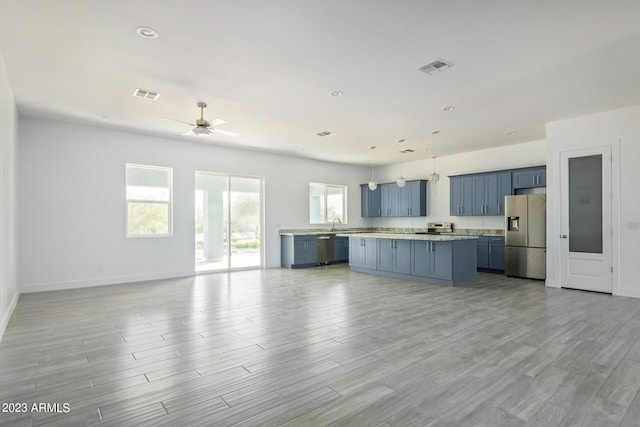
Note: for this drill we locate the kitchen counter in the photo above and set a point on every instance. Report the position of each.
(409, 236)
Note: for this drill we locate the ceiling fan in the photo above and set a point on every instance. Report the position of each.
(204, 127)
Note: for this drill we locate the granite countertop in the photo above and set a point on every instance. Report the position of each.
(410, 236)
(391, 231)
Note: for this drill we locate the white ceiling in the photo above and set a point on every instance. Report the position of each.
(268, 68)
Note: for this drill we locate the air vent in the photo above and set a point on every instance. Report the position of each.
(146, 94)
(325, 133)
(406, 151)
(436, 67)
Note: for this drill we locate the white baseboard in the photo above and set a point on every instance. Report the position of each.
(633, 293)
(103, 281)
(8, 314)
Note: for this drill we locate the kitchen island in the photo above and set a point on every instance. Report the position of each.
(440, 259)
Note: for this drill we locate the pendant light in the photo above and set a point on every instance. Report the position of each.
(400, 182)
(434, 176)
(372, 184)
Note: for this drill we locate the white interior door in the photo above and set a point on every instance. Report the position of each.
(586, 229)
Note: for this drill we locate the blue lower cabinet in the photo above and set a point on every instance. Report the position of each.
(362, 253)
(432, 259)
(496, 253)
(340, 249)
(298, 251)
(490, 252)
(446, 262)
(394, 256)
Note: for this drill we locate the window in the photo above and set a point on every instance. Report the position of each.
(327, 202)
(149, 209)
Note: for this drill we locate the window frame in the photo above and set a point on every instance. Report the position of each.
(344, 191)
(168, 203)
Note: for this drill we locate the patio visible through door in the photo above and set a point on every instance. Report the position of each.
(228, 222)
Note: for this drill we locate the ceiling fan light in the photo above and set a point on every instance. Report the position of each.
(400, 182)
(373, 185)
(201, 131)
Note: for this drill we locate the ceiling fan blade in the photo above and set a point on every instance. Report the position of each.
(225, 132)
(180, 121)
(188, 133)
(216, 122)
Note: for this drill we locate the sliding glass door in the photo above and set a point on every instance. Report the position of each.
(228, 219)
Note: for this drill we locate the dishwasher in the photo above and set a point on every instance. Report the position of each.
(325, 249)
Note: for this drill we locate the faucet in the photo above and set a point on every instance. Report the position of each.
(333, 229)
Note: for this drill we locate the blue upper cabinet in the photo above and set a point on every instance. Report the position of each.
(483, 194)
(529, 178)
(504, 189)
(370, 203)
(461, 195)
(413, 199)
(390, 200)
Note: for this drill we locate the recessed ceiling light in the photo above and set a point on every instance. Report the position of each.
(147, 32)
(435, 132)
(337, 93)
(513, 132)
(401, 140)
(408, 150)
(449, 108)
(373, 147)
(102, 116)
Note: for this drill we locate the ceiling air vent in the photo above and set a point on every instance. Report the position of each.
(325, 133)
(436, 67)
(406, 151)
(146, 94)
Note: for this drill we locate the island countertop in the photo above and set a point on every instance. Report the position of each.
(409, 236)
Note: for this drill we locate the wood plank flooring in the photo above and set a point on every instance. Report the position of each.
(322, 346)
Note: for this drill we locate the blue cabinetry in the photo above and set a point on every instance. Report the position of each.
(504, 189)
(370, 203)
(394, 256)
(446, 262)
(490, 252)
(340, 249)
(483, 194)
(298, 251)
(362, 252)
(461, 195)
(432, 259)
(413, 199)
(390, 200)
(529, 178)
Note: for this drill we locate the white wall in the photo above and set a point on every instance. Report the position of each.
(512, 156)
(9, 292)
(619, 125)
(72, 207)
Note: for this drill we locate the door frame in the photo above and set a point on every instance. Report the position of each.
(554, 212)
(229, 176)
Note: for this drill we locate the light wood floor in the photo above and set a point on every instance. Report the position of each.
(323, 346)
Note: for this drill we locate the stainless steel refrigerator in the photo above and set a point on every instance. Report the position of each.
(525, 236)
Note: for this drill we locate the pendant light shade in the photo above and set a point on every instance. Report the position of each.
(372, 184)
(434, 176)
(401, 181)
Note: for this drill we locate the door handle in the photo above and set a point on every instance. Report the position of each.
(564, 236)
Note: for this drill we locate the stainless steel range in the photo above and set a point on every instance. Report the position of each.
(438, 228)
